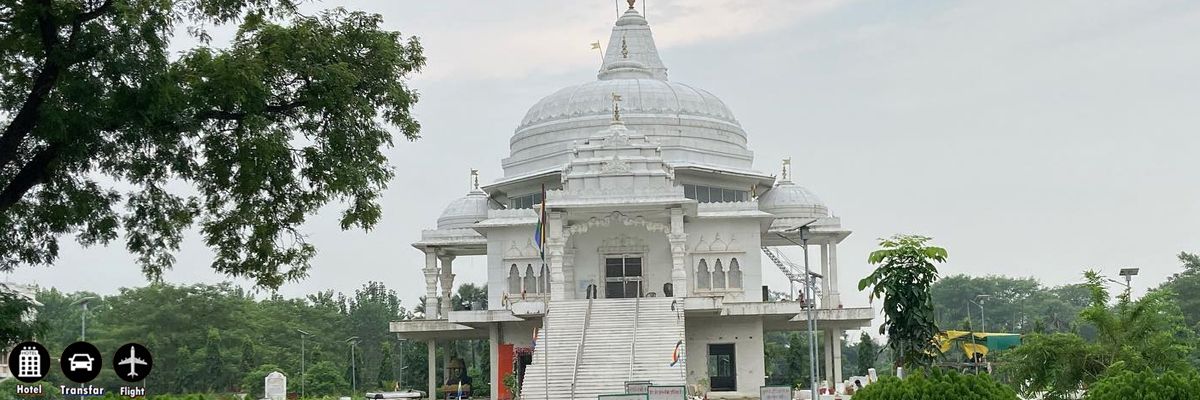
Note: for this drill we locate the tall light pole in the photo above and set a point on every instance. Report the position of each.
(982, 317)
(808, 306)
(83, 303)
(1128, 273)
(353, 341)
(303, 378)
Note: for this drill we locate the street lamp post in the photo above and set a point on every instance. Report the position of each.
(808, 306)
(303, 377)
(353, 341)
(1128, 273)
(83, 303)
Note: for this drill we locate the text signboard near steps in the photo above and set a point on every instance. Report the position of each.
(666, 392)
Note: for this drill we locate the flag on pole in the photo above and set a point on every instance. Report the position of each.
(539, 232)
(675, 354)
(596, 45)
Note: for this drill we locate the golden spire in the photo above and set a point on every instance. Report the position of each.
(631, 3)
(616, 99)
(474, 179)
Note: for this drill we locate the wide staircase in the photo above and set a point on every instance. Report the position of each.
(592, 348)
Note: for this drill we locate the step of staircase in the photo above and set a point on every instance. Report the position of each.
(615, 328)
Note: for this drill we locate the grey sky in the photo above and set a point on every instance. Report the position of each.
(1029, 138)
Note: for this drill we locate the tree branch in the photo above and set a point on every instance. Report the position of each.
(26, 118)
(32, 174)
(96, 13)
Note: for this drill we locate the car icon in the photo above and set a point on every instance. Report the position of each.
(81, 361)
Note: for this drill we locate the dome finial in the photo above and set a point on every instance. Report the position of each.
(474, 179)
(631, 3)
(787, 169)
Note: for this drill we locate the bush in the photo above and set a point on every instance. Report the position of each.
(1127, 385)
(937, 386)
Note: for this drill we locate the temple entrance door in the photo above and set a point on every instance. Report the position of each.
(622, 277)
(722, 367)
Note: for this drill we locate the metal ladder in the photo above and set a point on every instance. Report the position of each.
(794, 273)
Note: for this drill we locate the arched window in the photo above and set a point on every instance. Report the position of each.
(530, 279)
(514, 280)
(703, 277)
(718, 275)
(735, 274)
(544, 279)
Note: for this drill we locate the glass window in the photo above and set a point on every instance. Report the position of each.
(633, 267)
(612, 268)
(705, 194)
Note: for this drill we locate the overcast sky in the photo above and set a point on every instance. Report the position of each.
(1029, 138)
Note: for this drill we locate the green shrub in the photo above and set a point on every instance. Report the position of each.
(937, 386)
(1147, 385)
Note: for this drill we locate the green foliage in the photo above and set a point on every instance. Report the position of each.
(904, 279)
(513, 385)
(867, 352)
(1143, 335)
(936, 386)
(207, 338)
(1187, 285)
(1147, 385)
(1014, 304)
(106, 132)
(324, 379)
(1056, 365)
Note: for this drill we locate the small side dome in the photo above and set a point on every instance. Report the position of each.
(465, 211)
(789, 200)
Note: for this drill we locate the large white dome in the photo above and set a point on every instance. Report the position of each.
(692, 125)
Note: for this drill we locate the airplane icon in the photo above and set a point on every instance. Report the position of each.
(132, 361)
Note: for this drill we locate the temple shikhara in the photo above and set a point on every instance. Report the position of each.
(630, 239)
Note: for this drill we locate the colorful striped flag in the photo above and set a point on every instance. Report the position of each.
(675, 354)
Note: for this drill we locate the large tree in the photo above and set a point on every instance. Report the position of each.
(1186, 285)
(105, 132)
(904, 279)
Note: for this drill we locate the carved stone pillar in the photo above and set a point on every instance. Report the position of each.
(431, 279)
(678, 239)
(555, 246)
(825, 301)
(836, 343)
(447, 280)
(835, 298)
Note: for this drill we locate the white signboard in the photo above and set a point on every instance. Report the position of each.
(775, 392)
(666, 392)
(275, 386)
